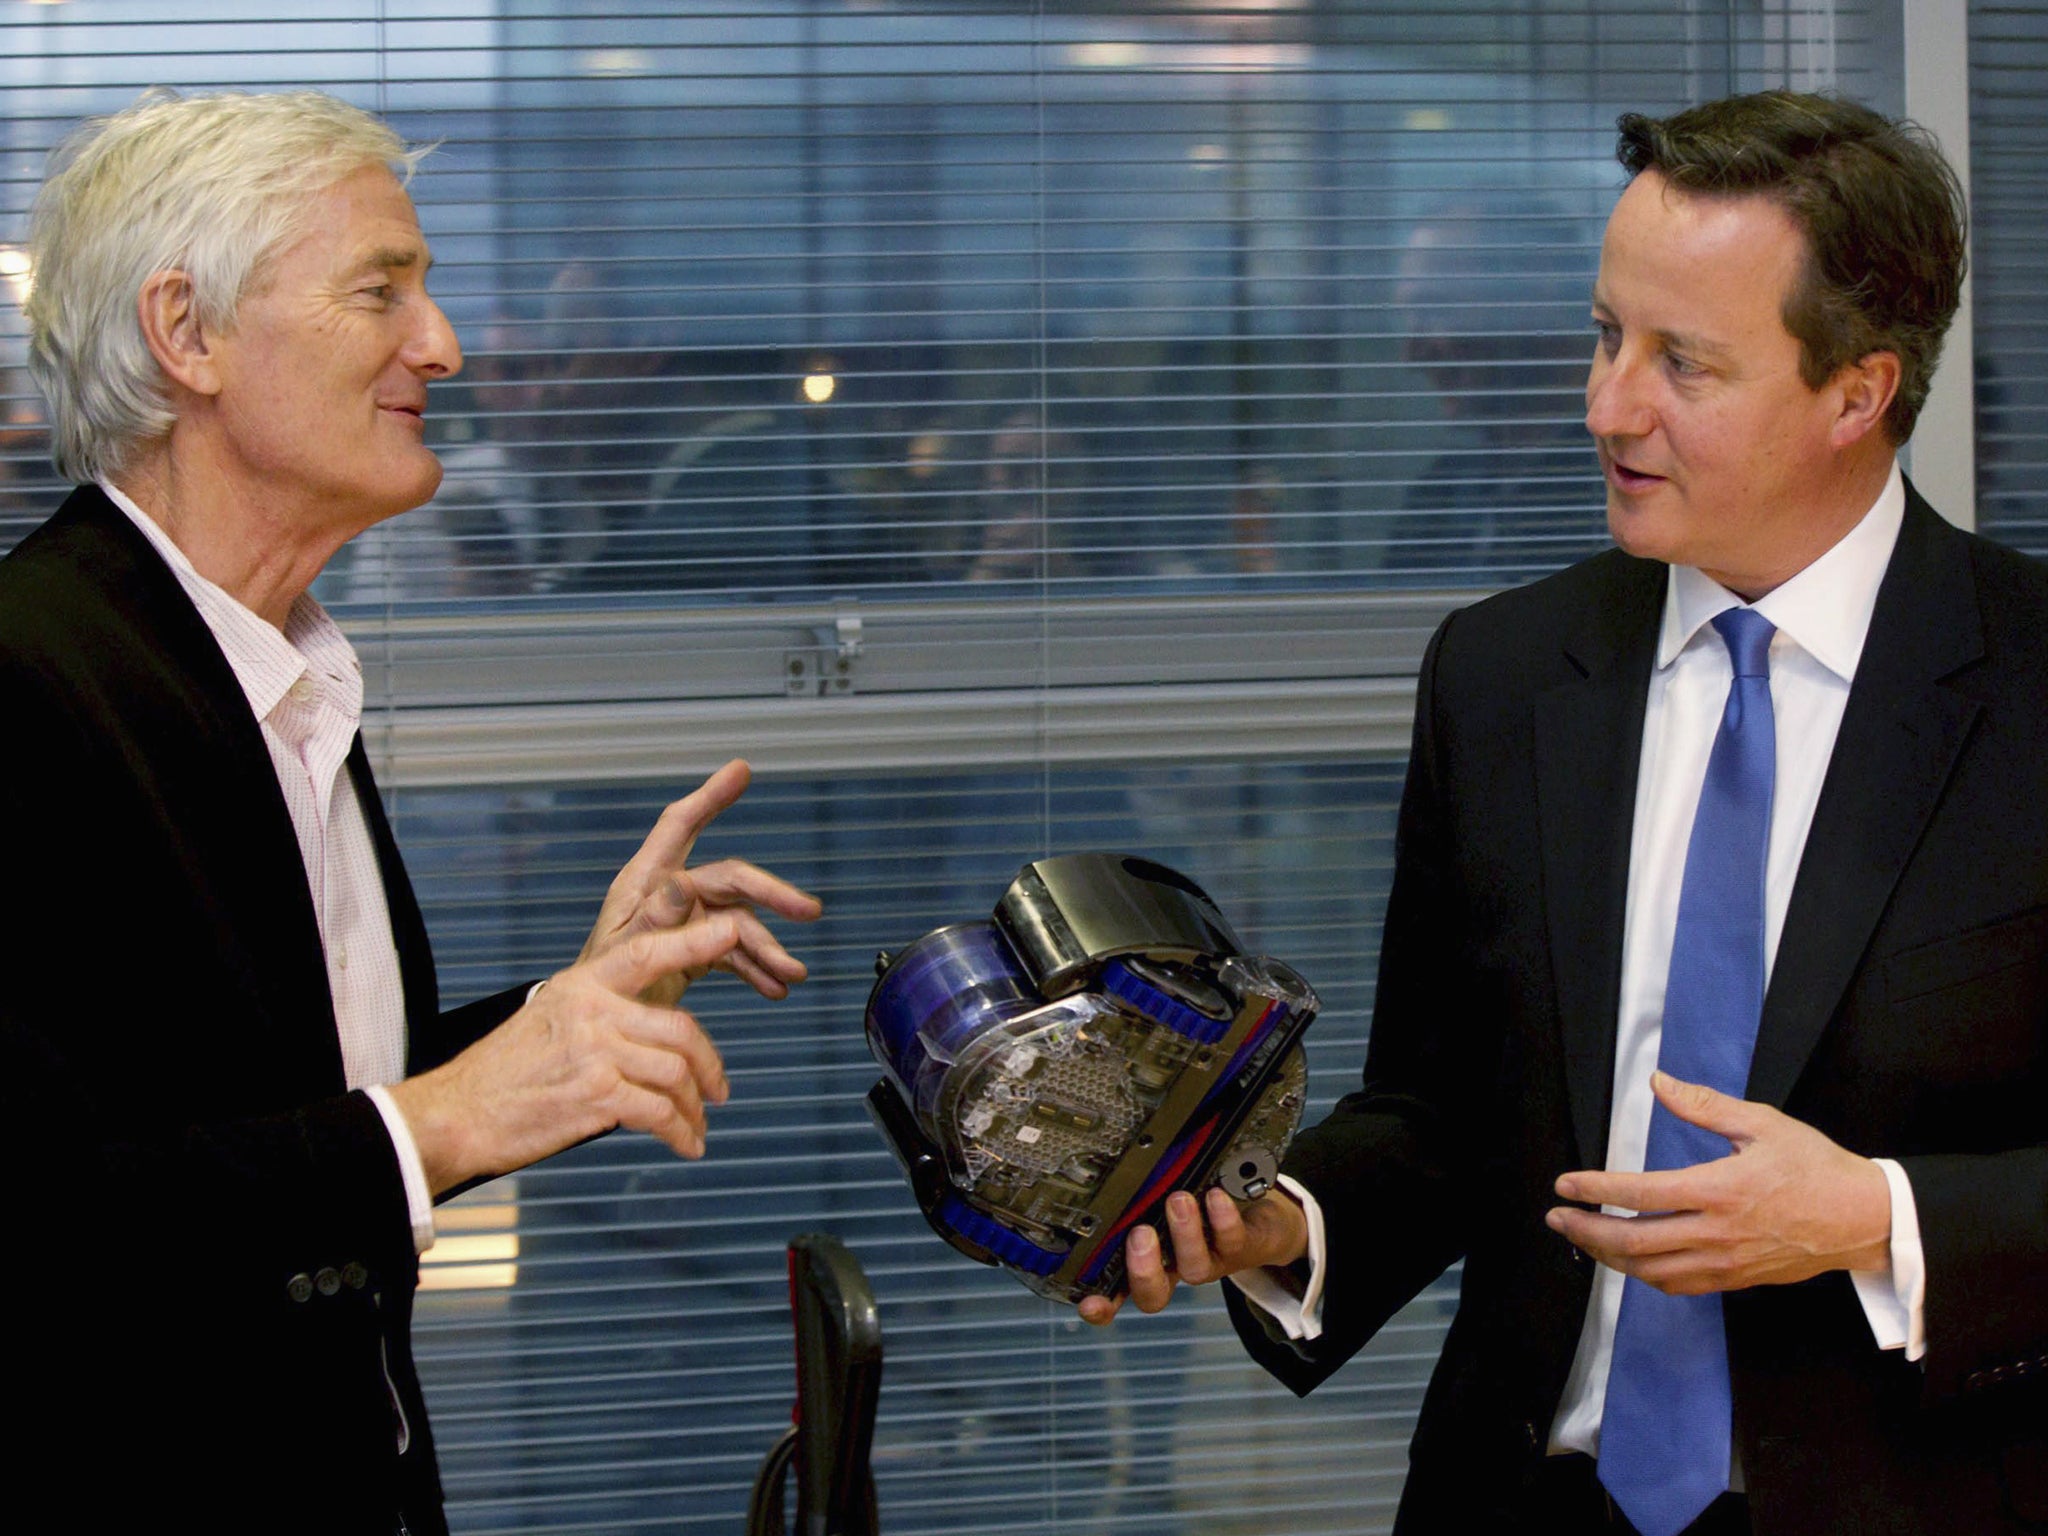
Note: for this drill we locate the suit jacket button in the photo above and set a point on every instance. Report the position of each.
(1976, 1381)
(354, 1275)
(1531, 1438)
(327, 1282)
(299, 1287)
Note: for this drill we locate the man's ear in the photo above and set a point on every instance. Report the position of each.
(1868, 386)
(169, 312)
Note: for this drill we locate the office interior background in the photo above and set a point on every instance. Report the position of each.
(1017, 428)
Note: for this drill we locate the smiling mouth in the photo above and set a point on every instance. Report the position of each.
(1625, 479)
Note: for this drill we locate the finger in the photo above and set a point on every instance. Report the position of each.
(735, 882)
(1686, 1270)
(742, 965)
(1686, 1274)
(629, 968)
(675, 831)
(674, 1031)
(667, 1073)
(667, 905)
(1192, 1258)
(1668, 1189)
(1100, 1310)
(759, 960)
(1228, 1237)
(1276, 1229)
(643, 1109)
(1609, 1238)
(764, 951)
(1145, 1270)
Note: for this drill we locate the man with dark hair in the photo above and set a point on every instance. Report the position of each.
(1712, 1020)
(1881, 212)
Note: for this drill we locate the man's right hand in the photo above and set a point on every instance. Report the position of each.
(659, 888)
(585, 1055)
(1271, 1230)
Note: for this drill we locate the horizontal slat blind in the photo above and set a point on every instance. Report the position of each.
(1186, 363)
(2008, 189)
(640, 1365)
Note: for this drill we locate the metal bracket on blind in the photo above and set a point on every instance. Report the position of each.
(828, 664)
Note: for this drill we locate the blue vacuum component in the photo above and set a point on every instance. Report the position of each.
(999, 1240)
(1052, 1074)
(1121, 978)
(937, 997)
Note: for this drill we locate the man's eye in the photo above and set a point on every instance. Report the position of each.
(1609, 334)
(1684, 367)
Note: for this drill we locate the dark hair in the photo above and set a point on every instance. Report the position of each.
(1882, 213)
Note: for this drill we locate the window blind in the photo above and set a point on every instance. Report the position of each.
(2008, 142)
(1018, 429)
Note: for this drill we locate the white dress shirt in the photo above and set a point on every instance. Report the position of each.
(305, 687)
(1822, 615)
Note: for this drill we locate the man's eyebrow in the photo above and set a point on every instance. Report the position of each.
(392, 258)
(1670, 341)
(1691, 346)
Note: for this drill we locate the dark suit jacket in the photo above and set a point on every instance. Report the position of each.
(1907, 1017)
(183, 1156)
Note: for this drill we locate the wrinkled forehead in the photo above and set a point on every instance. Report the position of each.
(364, 222)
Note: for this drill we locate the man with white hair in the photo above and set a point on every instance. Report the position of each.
(224, 1174)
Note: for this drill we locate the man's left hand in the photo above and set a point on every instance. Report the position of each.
(657, 890)
(1787, 1204)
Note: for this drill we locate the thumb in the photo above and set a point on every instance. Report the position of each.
(666, 906)
(644, 958)
(1708, 1108)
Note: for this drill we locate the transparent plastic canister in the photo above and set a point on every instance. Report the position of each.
(937, 996)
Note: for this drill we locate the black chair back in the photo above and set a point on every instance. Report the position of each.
(838, 1382)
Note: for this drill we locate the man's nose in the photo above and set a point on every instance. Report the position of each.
(434, 351)
(1615, 402)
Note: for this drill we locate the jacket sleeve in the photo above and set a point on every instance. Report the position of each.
(1388, 1164)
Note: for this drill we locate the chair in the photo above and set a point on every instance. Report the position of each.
(838, 1379)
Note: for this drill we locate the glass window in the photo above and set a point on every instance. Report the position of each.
(1018, 428)
(2008, 150)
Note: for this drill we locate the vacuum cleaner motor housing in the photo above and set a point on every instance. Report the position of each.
(1054, 1073)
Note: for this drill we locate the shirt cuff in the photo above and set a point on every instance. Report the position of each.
(1273, 1291)
(419, 1202)
(1895, 1299)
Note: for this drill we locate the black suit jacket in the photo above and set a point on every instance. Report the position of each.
(1907, 1016)
(212, 1270)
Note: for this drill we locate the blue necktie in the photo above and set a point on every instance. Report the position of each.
(1664, 1435)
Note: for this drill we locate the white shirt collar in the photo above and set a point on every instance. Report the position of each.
(265, 662)
(1826, 608)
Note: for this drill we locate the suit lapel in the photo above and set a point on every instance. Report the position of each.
(1900, 736)
(200, 752)
(1588, 743)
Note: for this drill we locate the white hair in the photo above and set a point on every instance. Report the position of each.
(212, 186)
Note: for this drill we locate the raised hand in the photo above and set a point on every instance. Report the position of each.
(657, 891)
(585, 1055)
